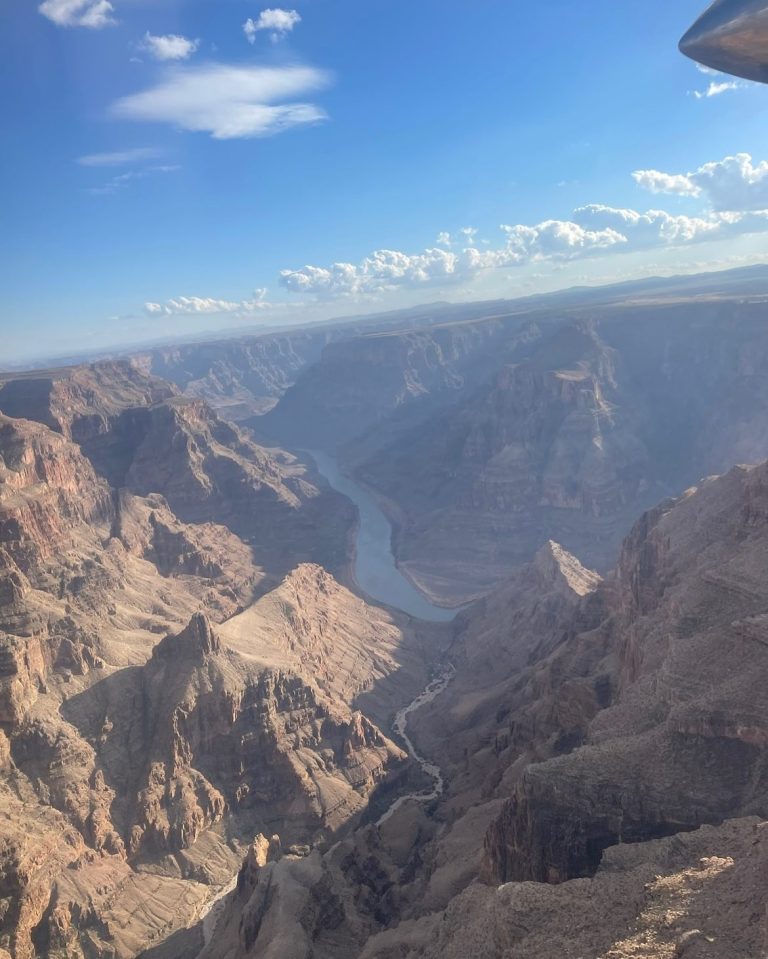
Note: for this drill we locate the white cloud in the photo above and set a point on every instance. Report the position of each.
(733, 183)
(228, 101)
(657, 182)
(716, 87)
(444, 239)
(94, 14)
(593, 230)
(120, 157)
(722, 83)
(171, 46)
(278, 22)
(197, 305)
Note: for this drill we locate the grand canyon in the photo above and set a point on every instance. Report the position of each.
(432, 634)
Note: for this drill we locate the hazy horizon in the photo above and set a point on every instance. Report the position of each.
(176, 168)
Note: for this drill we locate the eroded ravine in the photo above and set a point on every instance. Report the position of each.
(400, 726)
(376, 573)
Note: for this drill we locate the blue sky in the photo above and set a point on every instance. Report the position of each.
(167, 169)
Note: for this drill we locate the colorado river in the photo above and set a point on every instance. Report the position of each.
(377, 575)
(376, 572)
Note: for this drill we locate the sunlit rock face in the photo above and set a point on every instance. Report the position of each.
(606, 736)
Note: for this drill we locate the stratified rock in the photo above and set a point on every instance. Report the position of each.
(605, 414)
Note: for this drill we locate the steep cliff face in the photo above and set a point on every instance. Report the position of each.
(50, 498)
(387, 380)
(153, 779)
(198, 732)
(81, 402)
(138, 434)
(239, 377)
(593, 726)
(684, 741)
(549, 450)
(607, 416)
(47, 490)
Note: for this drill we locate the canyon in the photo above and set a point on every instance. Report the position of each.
(440, 633)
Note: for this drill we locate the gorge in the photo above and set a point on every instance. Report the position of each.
(482, 674)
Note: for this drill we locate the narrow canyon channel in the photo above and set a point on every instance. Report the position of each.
(377, 575)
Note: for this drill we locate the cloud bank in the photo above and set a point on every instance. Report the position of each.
(202, 305)
(736, 190)
(592, 230)
(734, 183)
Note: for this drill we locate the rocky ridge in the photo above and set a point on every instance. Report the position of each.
(133, 773)
(609, 733)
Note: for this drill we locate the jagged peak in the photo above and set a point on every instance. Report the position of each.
(558, 566)
(197, 637)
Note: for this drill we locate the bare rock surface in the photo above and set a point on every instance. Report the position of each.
(138, 754)
(592, 422)
(607, 738)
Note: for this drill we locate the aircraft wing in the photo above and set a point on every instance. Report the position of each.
(732, 36)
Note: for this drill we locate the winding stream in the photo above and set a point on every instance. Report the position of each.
(376, 573)
(432, 691)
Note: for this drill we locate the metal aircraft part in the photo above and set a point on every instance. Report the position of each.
(732, 36)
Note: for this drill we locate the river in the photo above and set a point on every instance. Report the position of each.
(377, 575)
(376, 572)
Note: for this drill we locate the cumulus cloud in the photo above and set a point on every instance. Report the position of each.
(197, 305)
(593, 230)
(444, 239)
(733, 183)
(171, 46)
(278, 22)
(94, 14)
(228, 102)
(657, 182)
(120, 157)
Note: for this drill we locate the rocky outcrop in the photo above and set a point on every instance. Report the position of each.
(48, 495)
(700, 896)
(46, 490)
(81, 402)
(199, 732)
(372, 658)
(685, 634)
